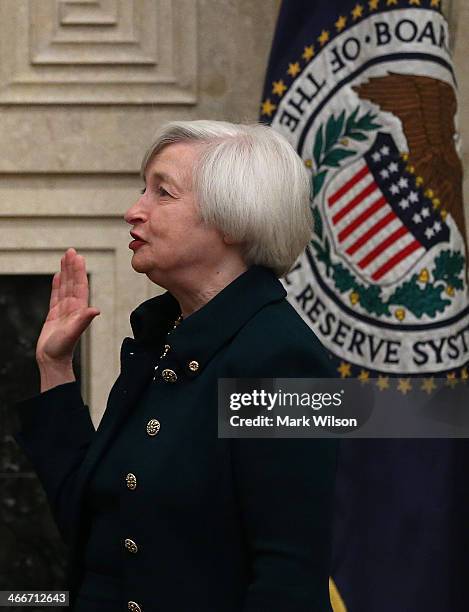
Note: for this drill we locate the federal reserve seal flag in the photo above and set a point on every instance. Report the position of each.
(366, 93)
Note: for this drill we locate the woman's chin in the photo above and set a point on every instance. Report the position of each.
(139, 264)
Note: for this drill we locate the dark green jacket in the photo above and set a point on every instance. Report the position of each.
(227, 525)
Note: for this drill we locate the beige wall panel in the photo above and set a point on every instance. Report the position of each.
(72, 195)
(106, 52)
(212, 53)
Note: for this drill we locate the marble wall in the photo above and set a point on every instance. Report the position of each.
(32, 555)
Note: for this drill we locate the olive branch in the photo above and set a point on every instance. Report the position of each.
(328, 149)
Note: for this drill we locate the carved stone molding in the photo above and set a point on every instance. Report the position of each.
(73, 195)
(88, 12)
(98, 52)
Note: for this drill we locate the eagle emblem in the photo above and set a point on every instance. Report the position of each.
(426, 108)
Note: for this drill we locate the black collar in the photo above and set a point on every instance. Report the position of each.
(204, 332)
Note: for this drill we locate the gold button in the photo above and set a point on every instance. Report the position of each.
(133, 606)
(169, 375)
(153, 427)
(131, 481)
(193, 366)
(130, 545)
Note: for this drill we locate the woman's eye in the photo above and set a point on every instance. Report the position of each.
(160, 190)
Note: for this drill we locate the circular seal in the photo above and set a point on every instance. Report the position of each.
(383, 283)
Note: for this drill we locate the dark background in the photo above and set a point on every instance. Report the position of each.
(32, 554)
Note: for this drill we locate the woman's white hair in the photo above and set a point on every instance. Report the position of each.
(250, 184)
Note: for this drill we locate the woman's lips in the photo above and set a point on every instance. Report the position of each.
(136, 244)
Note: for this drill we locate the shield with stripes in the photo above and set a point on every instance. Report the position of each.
(380, 219)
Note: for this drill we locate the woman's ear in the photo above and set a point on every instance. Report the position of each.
(229, 240)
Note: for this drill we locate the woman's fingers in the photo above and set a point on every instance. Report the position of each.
(80, 286)
(69, 313)
(54, 294)
(86, 318)
(78, 324)
(63, 279)
(70, 256)
(67, 276)
(70, 290)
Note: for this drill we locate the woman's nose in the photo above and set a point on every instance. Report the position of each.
(135, 213)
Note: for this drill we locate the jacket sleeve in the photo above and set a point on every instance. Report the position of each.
(55, 433)
(285, 491)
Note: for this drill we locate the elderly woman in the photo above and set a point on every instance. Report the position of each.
(159, 513)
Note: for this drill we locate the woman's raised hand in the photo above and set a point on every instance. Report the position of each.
(69, 315)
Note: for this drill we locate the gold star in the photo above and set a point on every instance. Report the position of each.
(464, 374)
(341, 23)
(435, 3)
(391, 2)
(344, 370)
(357, 12)
(364, 376)
(278, 87)
(308, 53)
(428, 385)
(382, 383)
(293, 69)
(324, 37)
(414, 2)
(451, 380)
(267, 108)
(404, 385)
(373, 4)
